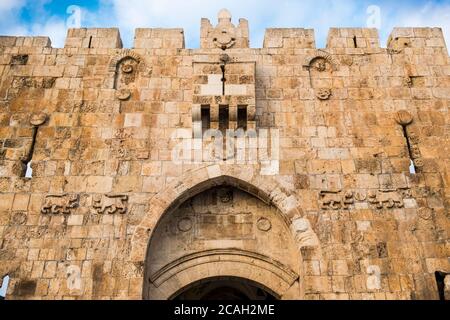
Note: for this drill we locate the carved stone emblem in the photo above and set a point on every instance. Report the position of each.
(127, 68)
(185, 224)
(264, 224)
(403, 117)
(38, 119)
(224, 35)
(123, 94)
(110, 203)
(323, 94)
(60, 203)
(225, 195)
(19, 218)
(319, 64)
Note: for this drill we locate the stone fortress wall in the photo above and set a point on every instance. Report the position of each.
(97, 121)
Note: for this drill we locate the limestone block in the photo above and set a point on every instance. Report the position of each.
(289, 38)
(159, 38)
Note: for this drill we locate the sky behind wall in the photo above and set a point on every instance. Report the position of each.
(52, 17)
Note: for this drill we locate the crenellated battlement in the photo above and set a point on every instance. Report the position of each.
(93, 38)
(135, 173)
(146, 38)
(226, 35)
(9, 41)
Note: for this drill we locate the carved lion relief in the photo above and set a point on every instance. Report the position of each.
(378, 199)
(110, 203)
(60, 203)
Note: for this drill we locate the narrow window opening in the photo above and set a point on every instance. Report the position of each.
(4, 287)
(440, 280)
(242, 118)
(27, 171)
(222, 67)
(90, 42)
(206, 118)
(224, 122)
(412, 167)
(355, 43)
(224, 119)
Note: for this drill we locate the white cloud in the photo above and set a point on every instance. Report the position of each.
(53, 28)
(8, 5)
(262, 14)
(430, 15)
(317, 14)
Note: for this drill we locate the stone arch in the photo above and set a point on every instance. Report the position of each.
(321, 54)
(240, 287)
(246, 178)
(275, 276)
(123, 55)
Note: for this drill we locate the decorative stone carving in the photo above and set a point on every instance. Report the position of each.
(264, 224)
(403, 117)
(319, 64)
(20, 59)
(347, 60)
(385, 199)
(321, 55)
(224, 58)
(60, 203)
(224, 36)
(334, 200)
(33, 82)
(110, 203)
(425, 213)
(185, 224)
(19, 218)
(323, 94)
(303, 234)
(123, 94)
(408, 82)
(127, 67)
(38, 119)
(225, 195)
(380, 199)
(143, 68)
(126, 73)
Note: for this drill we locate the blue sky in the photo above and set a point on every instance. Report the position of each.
(49, 17)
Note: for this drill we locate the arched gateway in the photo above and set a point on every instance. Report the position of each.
(224, 237)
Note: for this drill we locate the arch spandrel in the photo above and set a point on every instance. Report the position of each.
(266, 188)
(267, 191)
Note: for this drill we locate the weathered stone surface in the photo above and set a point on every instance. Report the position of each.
(315, 200)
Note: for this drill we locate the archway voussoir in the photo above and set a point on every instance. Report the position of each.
(214, 171)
